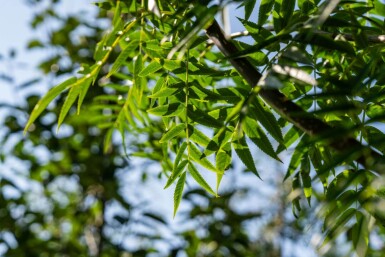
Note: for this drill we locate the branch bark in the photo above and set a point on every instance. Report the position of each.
(305, 121)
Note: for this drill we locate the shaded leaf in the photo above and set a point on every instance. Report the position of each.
(258, 137)
(175, 173)
(179, 154)
(167, 110)
(243, 151)
(179, 191)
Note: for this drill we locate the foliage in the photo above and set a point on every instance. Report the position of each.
(193, 107)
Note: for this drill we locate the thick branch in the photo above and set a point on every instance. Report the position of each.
(307, 122)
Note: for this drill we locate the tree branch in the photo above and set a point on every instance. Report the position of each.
(374, 39)
(305, 121)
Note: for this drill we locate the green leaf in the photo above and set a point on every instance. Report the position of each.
(196, 155)
(47, 99)
(287, 9)
(84, 89)
(219, 179)
(122, 57)
(243, 151)
(172, 65)
(220, 138)
(138, 84)
(117, 19)
(264, 11)
(258, 137)
(249, 7)
(197, 136)
(175, 173)
(223, 158)
(165, 92)
(173, 132)
(179, 191)
(107, 140)
(360, 234)
(306, 179)
(153, 67)
(324, 41)
(202, 117)
(267, 119)
(168, 110)
(179, 154)
(74, 93)
(199, 179)
(338, 225)
(296, 158)
(290, 137)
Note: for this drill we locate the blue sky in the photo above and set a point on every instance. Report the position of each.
(15, 16)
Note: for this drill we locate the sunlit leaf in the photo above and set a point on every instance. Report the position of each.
(199, 179)
(153, 67)
(173, 132)
(47, 99)
(196, 155)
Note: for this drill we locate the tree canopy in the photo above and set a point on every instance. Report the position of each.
(304, 80)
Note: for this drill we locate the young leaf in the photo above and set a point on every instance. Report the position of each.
(153, 67)
(47, 99)
(173, 132)
(179, 191)
(199, 179)
(175, 173)
(243, 151)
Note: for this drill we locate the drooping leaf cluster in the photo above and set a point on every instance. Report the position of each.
(193, 110)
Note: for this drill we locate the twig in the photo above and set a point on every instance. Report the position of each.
(305, 121)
